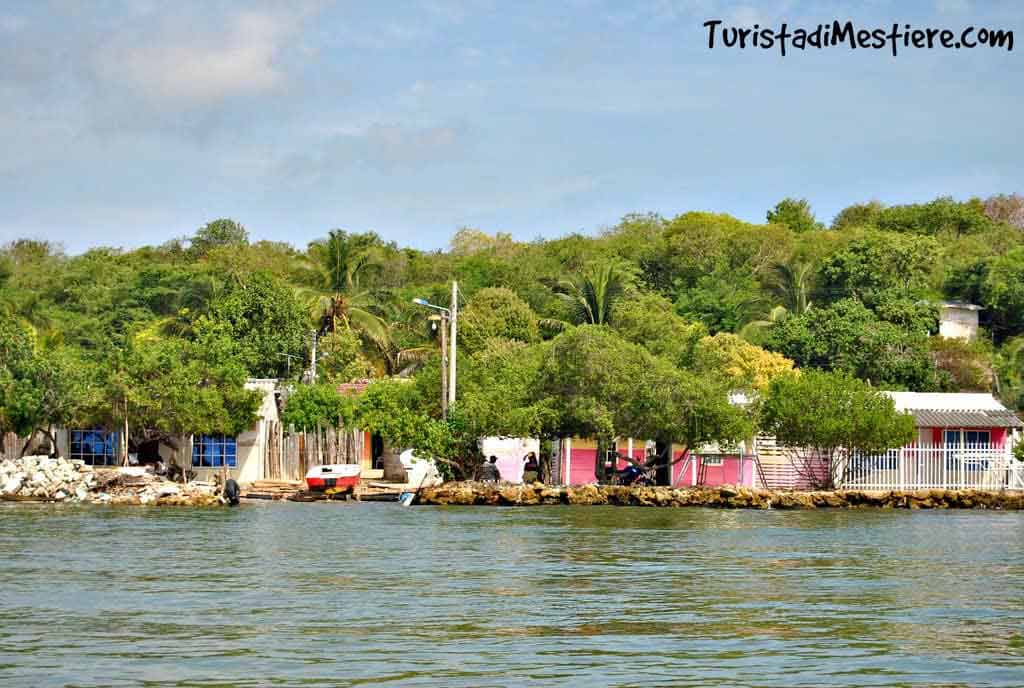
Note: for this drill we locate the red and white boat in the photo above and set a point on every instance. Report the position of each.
(336, 475)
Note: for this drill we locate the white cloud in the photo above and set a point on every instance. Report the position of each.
(180, 67)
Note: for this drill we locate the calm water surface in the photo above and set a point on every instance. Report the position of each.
(360, 594)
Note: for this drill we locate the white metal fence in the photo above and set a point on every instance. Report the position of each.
(966, 466)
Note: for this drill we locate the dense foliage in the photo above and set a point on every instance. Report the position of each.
(639, 329)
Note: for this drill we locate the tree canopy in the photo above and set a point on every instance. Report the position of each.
(642, 327)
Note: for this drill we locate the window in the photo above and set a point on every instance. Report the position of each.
(711, 460)
(972, 439)
(95, 447)
(970, 445)
(213, 451)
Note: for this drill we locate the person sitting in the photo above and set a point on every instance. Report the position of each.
(630, 474)
(531, 469)
(489, 473)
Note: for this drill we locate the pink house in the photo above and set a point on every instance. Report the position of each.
(708, 466)
(962, 441)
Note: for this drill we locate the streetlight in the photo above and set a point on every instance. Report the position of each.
(452, 314)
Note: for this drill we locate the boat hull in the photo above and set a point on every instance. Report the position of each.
(335, 476)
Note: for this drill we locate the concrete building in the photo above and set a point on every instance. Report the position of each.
(958, 320)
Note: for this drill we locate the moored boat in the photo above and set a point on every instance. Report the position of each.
(334, 475)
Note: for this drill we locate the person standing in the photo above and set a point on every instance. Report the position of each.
(531, 469)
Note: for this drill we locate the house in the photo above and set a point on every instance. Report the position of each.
(963, 441)
(959, 419)
(577, 463)
(958, 320)
(241, 456)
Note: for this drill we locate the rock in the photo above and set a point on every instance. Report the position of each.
(168, 490)
(12, 485)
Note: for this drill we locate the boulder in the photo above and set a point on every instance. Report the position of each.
(13, 484)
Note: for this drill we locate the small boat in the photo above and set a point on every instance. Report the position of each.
(334, 475)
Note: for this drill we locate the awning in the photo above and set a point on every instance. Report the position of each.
(933, 418)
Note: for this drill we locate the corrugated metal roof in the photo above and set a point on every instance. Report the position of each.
(934, 418)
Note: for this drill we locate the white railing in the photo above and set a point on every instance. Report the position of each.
(918, 467)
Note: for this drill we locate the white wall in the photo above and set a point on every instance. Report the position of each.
(958, 323)
(249, 446)
(510, 452)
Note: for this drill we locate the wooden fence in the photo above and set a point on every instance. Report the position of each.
(288, 454)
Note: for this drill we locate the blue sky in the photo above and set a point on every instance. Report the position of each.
(127, 122)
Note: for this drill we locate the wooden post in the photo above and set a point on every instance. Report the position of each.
(568, 461)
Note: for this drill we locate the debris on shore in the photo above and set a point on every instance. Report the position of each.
(49, 479)
(722, 497)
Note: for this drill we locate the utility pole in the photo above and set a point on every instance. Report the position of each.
(452, 315)
(444, 366)
(454, 308)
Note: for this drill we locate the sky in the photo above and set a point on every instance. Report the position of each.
(131, 122)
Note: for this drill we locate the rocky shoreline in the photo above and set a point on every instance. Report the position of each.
(723, 497)
(46, 479)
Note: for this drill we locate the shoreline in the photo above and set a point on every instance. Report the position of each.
(720, 497)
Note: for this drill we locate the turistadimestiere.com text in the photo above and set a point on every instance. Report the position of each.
(840, 34)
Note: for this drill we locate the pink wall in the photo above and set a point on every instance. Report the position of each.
(582, 465)
(584, 461)
(728, 473)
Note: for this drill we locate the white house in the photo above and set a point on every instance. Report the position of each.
(241, 456)
(958, 320)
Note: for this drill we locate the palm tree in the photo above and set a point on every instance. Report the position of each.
(332, 272)
(755, 331)
(594, 295)
(794, 284)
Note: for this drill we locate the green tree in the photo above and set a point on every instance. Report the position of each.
(605, 387)
(794, 213)
(849, 337)
(941, 216)
(967, 365)
(341, 358)
(171, 387)
(1009, 362)
(878, 261)
(831, 416)
(39, 389)
(310, 406)
(216, 234)
(1002, 292)
(858, 215)
(267, 321)
(650, 320)
(793, 283)
(722, 304)
(496, 313)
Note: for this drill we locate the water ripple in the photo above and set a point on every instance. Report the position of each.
(349, 595)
